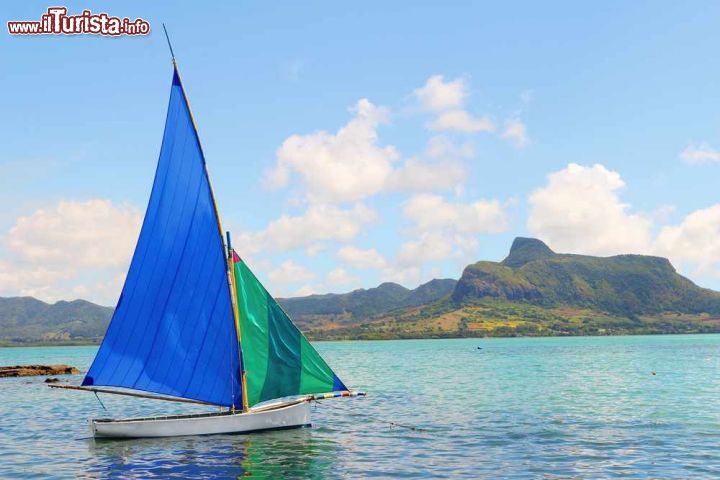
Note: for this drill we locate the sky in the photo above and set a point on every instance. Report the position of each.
(353, 144)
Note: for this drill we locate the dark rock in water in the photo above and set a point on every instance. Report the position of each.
(52, 380)
(30, 370)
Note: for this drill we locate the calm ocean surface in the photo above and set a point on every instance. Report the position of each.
(543, 407)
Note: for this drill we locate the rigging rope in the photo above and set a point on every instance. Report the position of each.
(101, 403)
(316, 398)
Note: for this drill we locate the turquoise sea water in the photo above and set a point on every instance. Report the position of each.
(519, 408)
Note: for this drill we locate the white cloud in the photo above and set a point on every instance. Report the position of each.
(437, 246)
(579, 211)
(105, 288)
(446, 99)
(694, 242)
(433, 212)
(257, 265)
(437, 94)
(350, 166)
(304, 291)
(516, 133)
(318, 223)
(443, 230)
(429, 246)
(662, 214)
(346, 166)
(339, 277)
(696, 154)
(417, 176)
(290, 272)
(69, 250)
(31, 280)
(407, 276)
(461, 121)
(279, 177)
(359, 258)
(441, 146)
(334, 282)
(94, 233)
(313, 250)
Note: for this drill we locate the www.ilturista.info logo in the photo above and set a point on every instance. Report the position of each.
(57, 22)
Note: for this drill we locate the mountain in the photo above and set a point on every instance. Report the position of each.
(533, 291)
(628, 285)
(348, 308)
(27, 319)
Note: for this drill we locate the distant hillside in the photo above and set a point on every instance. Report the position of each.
(534, 291)
(348, 308)
(27, 319)
(628, 285)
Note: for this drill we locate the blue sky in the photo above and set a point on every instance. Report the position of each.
(354, 144)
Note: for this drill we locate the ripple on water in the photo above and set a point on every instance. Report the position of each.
(519, 408)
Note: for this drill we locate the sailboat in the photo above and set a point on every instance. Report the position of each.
(193, 323)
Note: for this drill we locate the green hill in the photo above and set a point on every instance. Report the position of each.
(628, 285)
(534, 291)
(29, 320)
(26, 320)
(348, 308)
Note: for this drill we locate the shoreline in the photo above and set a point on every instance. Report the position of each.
(493, 337)
(49, 344)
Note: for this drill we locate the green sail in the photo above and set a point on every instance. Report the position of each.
(279, 361)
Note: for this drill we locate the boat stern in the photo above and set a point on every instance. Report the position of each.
(93, 428)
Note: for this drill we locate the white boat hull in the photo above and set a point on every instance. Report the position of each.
(288, 415)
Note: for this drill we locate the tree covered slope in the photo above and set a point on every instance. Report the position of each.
(628, 285)
(27, 319)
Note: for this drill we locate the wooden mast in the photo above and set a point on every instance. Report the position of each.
(236, 313)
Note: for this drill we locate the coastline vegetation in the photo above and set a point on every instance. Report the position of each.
(486, 318)
(500, 318)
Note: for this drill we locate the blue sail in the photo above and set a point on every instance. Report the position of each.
(173, 330)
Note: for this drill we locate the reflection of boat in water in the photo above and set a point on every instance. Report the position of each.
(193, 323)
(300, 454)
